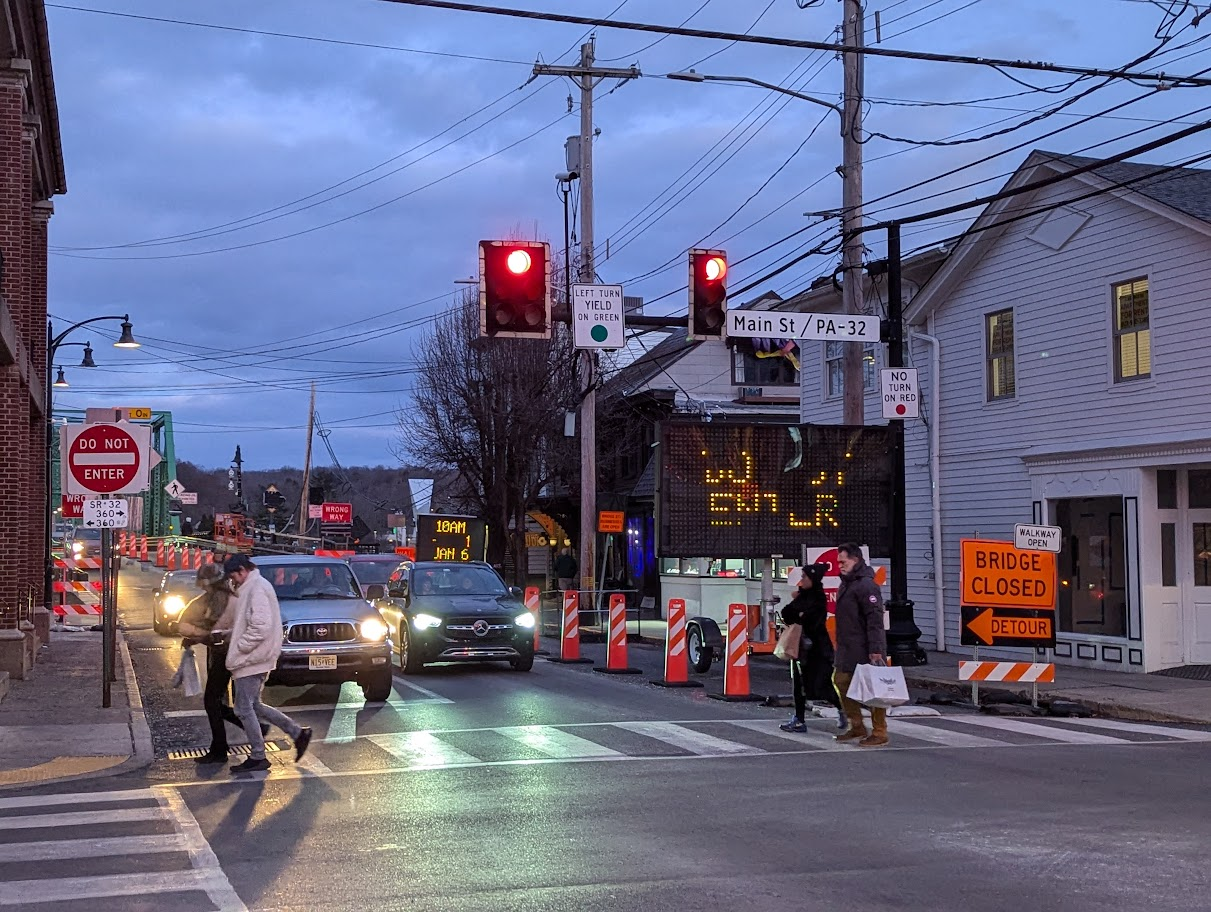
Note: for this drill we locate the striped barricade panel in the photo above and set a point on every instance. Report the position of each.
(1023, 672)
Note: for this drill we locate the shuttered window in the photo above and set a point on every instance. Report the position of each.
(1132, 335)
(1002, 382)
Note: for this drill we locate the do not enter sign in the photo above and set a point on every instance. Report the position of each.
(105, 459)
(995, 574)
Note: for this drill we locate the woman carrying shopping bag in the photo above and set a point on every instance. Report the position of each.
(208, 619)
(812, 667)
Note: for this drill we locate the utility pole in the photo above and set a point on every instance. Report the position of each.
(586, 76)
(853, 373)
(304, 498)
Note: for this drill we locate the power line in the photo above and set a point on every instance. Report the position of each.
(800, 44)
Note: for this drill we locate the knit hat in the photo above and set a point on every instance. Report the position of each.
(816, 572)
(209, 574)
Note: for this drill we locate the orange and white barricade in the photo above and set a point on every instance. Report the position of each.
(735, 669)
(676, 653)
(1023, 672)
(616, 645)
(569, 630)
(534, 606)
(76, 600)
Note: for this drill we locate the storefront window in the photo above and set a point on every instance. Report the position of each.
(1200, 489)
(704, 566)
(1166, 489)
(1092, 566)
(782, 566)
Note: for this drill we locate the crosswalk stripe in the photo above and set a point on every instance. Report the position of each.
(422, 749)
(65, 889)
(90, 848)
(1051, 732)
(208, 871)
(76, 798)
(1180, 734)
(556, 743)
(688, 739)
(943, 736)
(812, 738)
(79, 818)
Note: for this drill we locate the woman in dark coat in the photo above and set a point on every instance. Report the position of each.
(811, 673)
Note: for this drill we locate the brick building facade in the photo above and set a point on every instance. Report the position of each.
(31, 172)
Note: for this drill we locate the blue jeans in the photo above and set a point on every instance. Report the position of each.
(252, 711)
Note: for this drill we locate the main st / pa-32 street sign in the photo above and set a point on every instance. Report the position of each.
(779, 324)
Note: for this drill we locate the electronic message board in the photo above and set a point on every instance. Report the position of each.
(756, 490)
(450, 538)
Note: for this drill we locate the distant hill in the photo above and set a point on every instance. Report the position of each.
(374, 491)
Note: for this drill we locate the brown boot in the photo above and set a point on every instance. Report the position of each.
(851, 734)
(877, 739)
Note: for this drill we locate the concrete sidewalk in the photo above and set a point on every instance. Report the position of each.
(52, 726)
(1120, 695)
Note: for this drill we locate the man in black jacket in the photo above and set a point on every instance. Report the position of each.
(860, 639)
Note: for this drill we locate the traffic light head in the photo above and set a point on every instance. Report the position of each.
(708, 293)
(515, 289)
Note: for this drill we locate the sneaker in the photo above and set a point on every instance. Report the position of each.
(251, 765)
(853, 734)
(794, 725)
(878, 739)
(300, 744)
(211, 756)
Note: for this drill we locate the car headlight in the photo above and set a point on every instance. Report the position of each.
(374, 629)
(425, 621)
(173, 604)
(524, 620)
(77, 546)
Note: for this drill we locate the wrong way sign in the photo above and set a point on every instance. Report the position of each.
(105, 459)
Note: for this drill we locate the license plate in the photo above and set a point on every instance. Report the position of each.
(321, 663)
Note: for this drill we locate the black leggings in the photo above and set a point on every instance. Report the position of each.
(804, 686)
(214, 698)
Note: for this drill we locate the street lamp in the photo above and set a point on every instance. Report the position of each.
(692, 76)
(53, 343)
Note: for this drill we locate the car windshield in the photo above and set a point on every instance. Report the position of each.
(182, 581)
(311, 581)
(456, 580)
(370, 573)
(88, 535)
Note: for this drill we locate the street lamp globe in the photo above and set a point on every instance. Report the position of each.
(127, 339)
(61, 381)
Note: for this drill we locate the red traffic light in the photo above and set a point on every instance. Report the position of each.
(708, 294)
(515, 289)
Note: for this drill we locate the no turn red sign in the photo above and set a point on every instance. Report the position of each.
(105, 459)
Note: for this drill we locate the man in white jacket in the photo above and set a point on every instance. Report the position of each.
(255, 644)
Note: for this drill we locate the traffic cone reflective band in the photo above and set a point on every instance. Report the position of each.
(160, 562)
(735, 675)
(569, 630)
(616, 651)
(532, 606)
(676, 664)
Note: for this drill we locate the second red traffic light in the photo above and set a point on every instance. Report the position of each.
(708, 294)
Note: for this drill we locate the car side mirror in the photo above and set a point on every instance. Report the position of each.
(400, 590)
(375, 592)
(515, 591)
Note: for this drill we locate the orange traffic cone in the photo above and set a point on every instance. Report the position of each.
(143, 550)
(210, 557)
(534, 606)
(172, 557)
(676, 655)
(735, 671)
(160, 559)
(569, 631)
(616, 645)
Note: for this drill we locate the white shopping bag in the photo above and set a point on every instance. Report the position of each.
(187, 674)
(878, 686)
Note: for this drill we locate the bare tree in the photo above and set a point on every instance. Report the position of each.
(492, 410)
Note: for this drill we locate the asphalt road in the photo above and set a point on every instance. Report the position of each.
(562, 789)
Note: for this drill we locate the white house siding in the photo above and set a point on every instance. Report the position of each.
(1066, 397)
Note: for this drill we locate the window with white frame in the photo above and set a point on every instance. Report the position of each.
(834, 367)
(1132, 335)
(1002, 378)
(749, 370)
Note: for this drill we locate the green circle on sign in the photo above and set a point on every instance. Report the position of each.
(599, 333)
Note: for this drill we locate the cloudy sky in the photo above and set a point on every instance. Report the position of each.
(289, 190)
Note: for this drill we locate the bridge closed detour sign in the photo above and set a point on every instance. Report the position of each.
(1008, 596)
